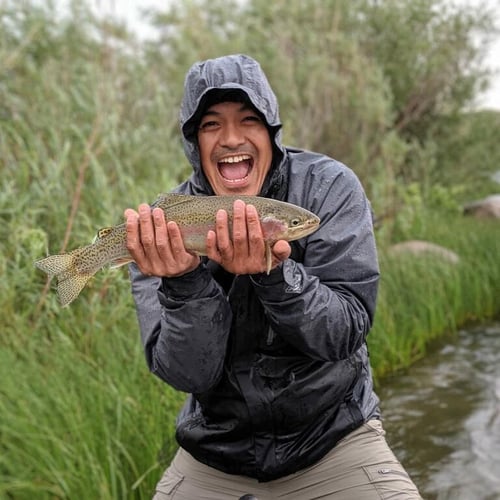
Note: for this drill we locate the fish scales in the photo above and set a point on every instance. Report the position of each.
(195, 216)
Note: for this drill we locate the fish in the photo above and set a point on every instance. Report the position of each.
(195, 216)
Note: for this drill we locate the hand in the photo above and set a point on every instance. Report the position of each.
(156, 245)
(245, 252)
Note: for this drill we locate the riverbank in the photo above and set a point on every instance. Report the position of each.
(426, 296)
(89, 126)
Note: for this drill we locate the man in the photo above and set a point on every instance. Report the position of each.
(281, 401)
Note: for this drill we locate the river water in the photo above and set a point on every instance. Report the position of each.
(442, 417)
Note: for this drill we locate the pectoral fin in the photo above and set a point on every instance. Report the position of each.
(120, 262)
(269, 258)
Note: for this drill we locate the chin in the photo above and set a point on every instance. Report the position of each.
(238, 190)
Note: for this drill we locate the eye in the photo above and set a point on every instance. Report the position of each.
(252, 119)
(209, 125)
(295, 222)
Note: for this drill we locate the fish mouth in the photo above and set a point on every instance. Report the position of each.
(305, 229)
(312, 225)
(235, 168)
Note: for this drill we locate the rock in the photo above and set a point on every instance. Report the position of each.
(488, 207)
(419, 247)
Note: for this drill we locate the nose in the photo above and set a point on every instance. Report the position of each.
(231, 136)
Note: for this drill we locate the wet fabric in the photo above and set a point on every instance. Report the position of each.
(276, 366)
(210, 80)
(361, 467)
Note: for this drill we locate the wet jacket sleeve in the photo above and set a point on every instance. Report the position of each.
(324, 305)
(184, 324)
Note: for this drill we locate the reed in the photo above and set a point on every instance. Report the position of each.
(85, 131)
(425, 297)
(80, 415)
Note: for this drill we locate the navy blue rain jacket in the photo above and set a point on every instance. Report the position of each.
(276, 366)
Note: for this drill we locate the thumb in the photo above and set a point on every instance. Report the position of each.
(281, 250)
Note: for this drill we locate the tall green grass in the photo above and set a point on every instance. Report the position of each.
(426, 296)
(88, 128)
(81, 417)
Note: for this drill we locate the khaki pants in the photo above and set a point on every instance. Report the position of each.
(360, 467)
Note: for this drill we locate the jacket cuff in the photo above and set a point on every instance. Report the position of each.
(189, 285)
(282, 280)
(274, 277)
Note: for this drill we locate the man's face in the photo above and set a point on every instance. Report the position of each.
(235, 148)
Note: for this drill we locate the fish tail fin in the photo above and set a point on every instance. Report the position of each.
(70, 282)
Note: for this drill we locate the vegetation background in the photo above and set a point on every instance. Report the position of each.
(88, 126)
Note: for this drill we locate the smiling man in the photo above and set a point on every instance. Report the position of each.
(281, 401)
(235, 148)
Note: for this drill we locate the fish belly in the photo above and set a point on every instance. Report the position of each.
(195, 237)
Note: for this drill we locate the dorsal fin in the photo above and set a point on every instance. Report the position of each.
(165, 200)
(103, 232)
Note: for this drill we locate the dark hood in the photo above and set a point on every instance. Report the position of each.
(207, 82)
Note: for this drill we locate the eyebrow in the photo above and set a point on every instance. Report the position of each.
(244, 106)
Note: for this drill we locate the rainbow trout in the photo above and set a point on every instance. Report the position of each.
(195, 216)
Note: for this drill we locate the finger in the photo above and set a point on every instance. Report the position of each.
(146, 229)
(240, 234)
(255, 236)
(223, 239)
(175, 238)
(212, 250)
(182, 261)
(129, 212)
(161, 233)
(132, 233)
(281, 250)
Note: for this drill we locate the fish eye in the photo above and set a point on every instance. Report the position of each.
(295, 222)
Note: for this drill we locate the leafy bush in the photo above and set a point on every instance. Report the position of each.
(88, 126)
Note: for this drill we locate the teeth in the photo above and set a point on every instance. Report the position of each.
(235, 159)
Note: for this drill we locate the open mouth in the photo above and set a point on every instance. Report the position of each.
(235, 168)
